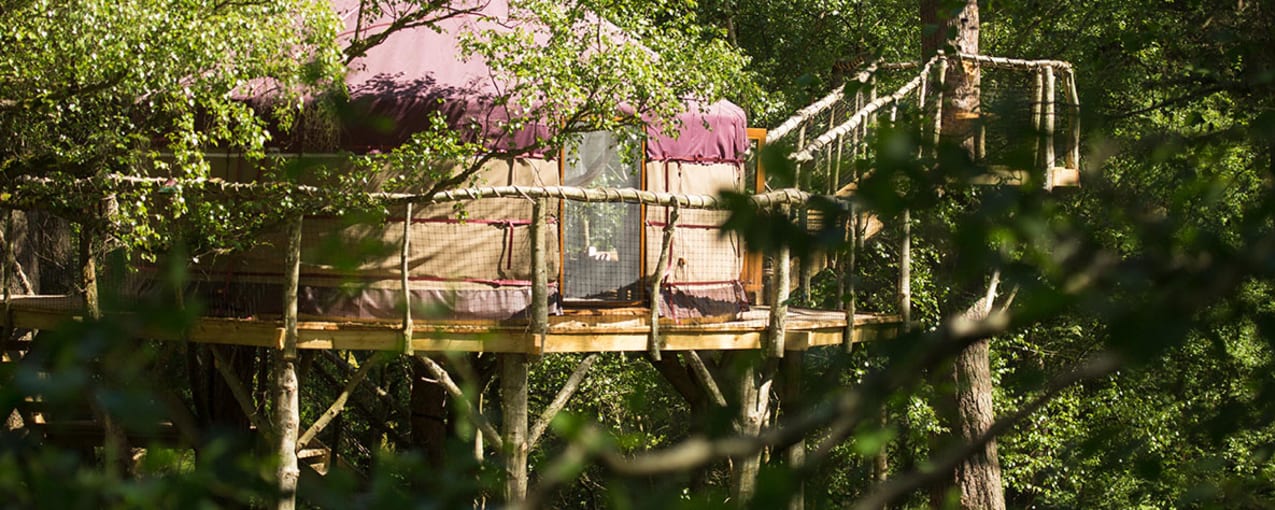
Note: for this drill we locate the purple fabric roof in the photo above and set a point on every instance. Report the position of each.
(399, 83)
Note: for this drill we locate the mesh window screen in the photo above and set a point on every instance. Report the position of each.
(602, 261)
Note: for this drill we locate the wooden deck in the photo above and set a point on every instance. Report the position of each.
(567, 333)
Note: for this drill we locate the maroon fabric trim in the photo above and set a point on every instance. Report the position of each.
(682, 225)
(516, 222)
(688, 284)
(496, 283)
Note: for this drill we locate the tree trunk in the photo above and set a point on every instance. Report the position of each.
(513, 402)
(979, 477)
(962, 102)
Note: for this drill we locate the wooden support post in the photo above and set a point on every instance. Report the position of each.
(1038, 108)
(793, 368)
(938, 104)
(287, 411)
(539, 273)
(1048, 130)
(798, 178)
(407, 348)
(779, 305)
(905, 272)
(1072, 158)
(7, 269)
(754, 408)
(513, 404)
(851, 303)
(867, 123)
(921, 91)
(834, 157)
(88, 272)
(654, 343)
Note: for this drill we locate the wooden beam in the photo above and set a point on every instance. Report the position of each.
(339, 403)
(560, 400)
(705, 378)
(241, 394)
(474, 415)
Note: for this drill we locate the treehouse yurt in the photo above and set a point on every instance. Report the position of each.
(470, 259)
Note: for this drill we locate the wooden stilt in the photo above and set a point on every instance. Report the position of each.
(793, 369)
(513, 404)
(753, 389)
(941, 89)
(286, 405)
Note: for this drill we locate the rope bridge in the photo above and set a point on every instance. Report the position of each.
(1024, 128)
(1024, 107)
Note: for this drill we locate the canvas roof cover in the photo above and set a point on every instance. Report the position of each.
(398, 84)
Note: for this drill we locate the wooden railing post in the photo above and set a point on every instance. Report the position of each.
(777, 325)
(1048, 127)
(851, 303)
(8, 271)
(941, 88)
(655, 343)
(905, 272)
(1038, 109)
(539, 272)
(404, 255)
(88, 270)
(1072, 157)
(287, 411)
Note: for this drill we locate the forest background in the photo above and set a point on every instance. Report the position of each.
(1139, 346)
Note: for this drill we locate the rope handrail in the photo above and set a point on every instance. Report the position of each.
(827, 101)
(574, 193)
(816, 107)
(806, 153)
